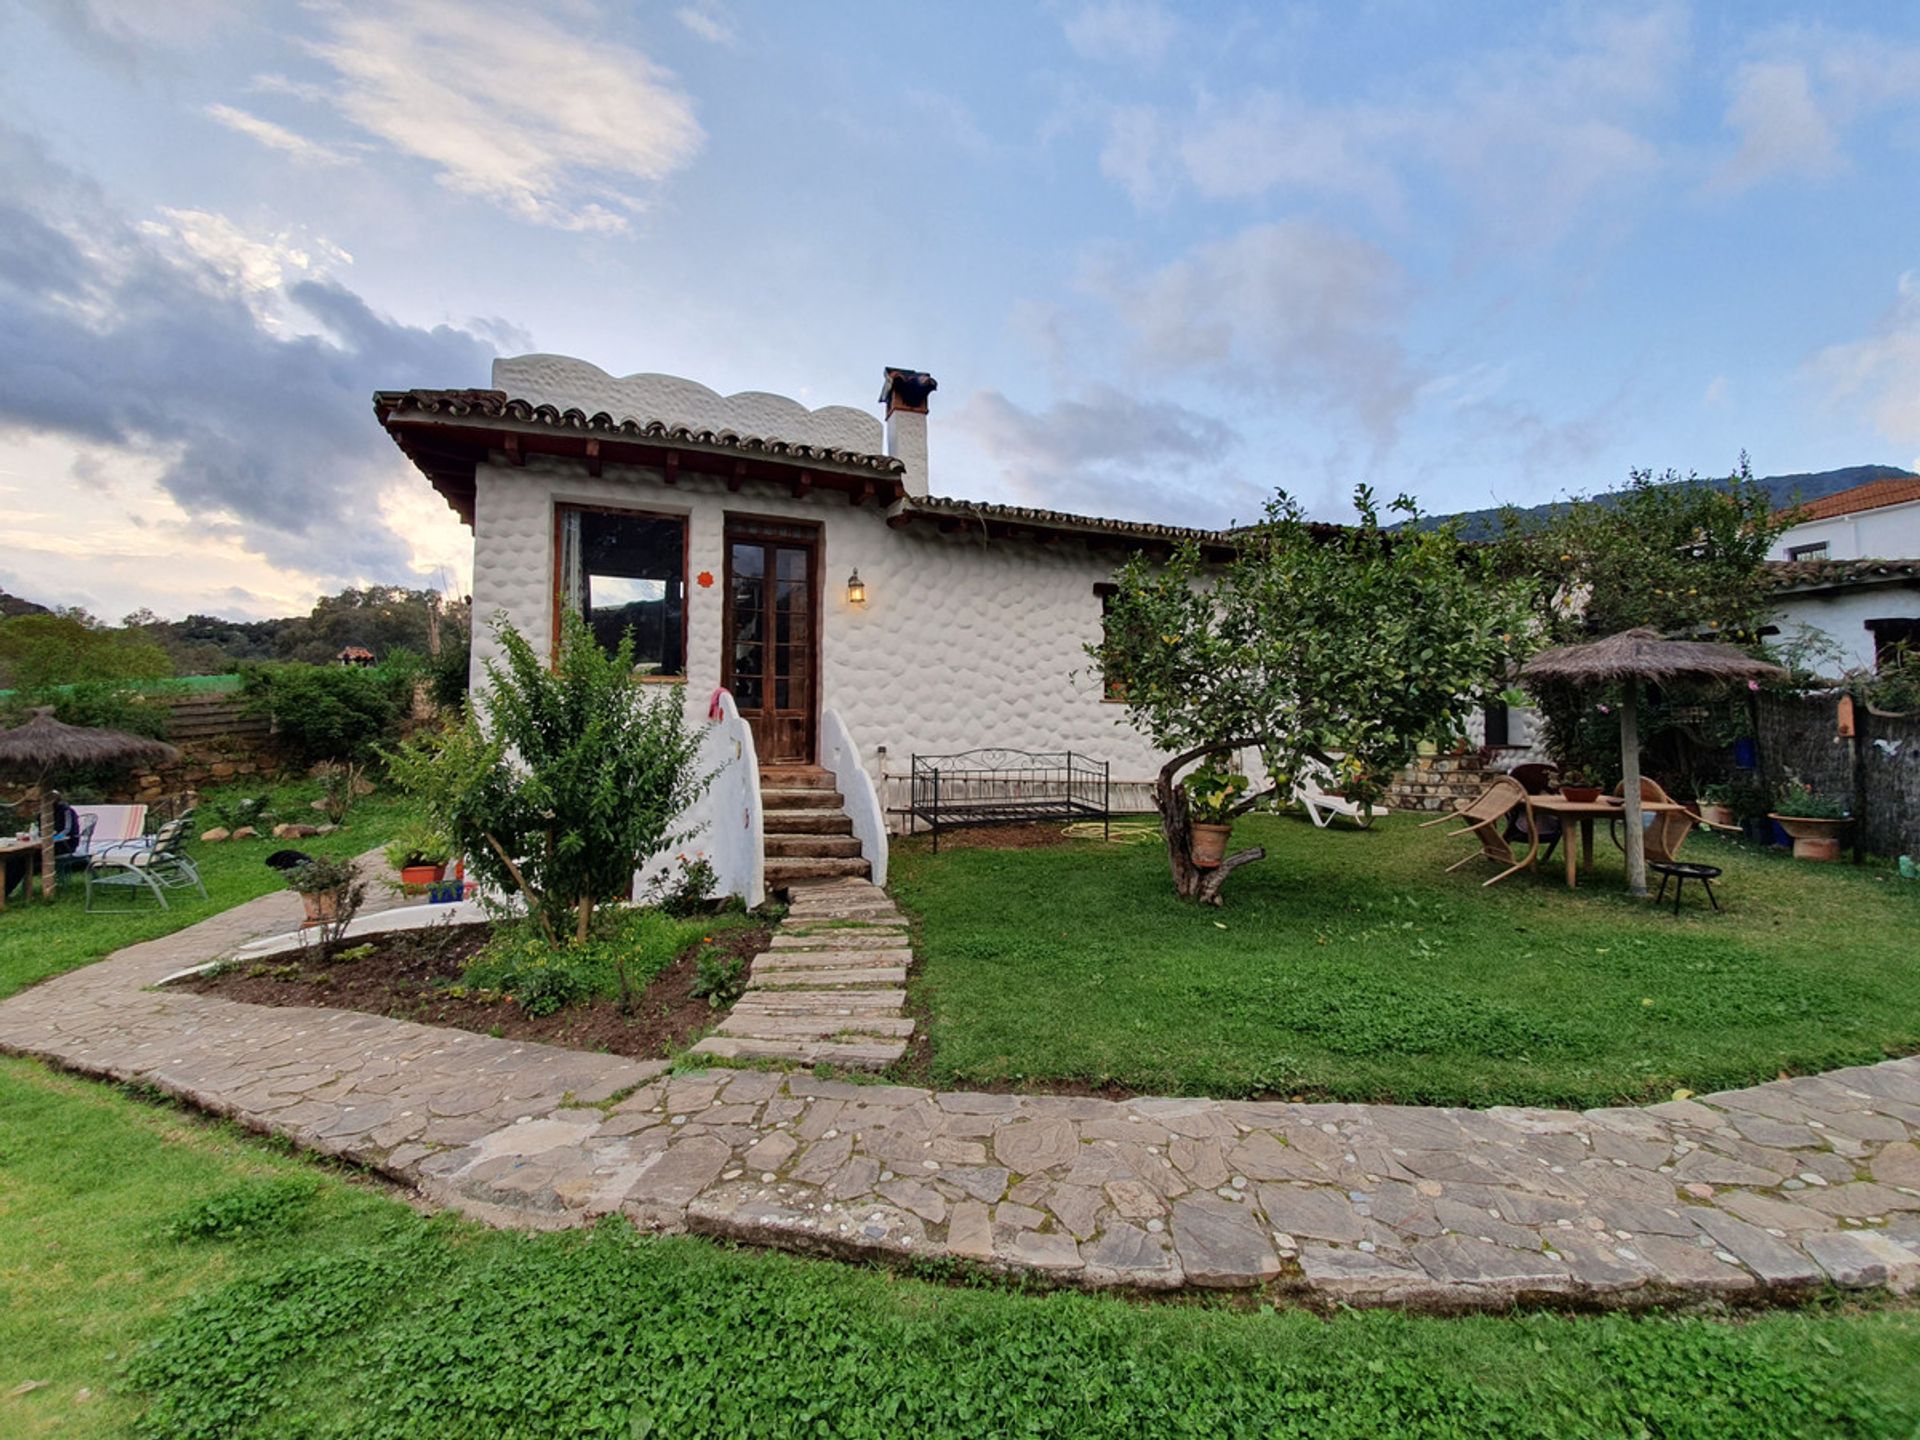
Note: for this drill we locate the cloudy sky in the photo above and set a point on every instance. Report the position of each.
(1163, 258)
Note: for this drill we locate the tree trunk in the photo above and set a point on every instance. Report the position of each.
(1630, 787)
(47, 863)
(1190, 882)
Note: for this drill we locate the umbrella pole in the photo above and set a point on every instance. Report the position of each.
(1630, 788)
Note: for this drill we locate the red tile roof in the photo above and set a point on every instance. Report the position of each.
(1874, 495)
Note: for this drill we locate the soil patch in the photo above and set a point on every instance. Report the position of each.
(408, 974)
(1032, 835)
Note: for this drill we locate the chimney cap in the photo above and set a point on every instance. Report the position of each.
(907, 389)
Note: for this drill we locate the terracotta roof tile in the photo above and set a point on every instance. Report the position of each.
(1838, 574)
(1874, 495)
(498, 405)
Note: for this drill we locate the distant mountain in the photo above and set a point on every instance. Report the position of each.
(13, 605)
(1785, 490)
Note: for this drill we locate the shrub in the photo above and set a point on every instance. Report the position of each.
(323, 712)
(575, 775)
(687, 890)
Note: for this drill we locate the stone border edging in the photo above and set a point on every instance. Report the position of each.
(1751, 1195)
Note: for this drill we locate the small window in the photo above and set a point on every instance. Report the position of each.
(626, 572)
(1111, 689)
(1893, 640)
(1807, 552)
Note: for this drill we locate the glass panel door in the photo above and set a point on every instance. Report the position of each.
(771, 638)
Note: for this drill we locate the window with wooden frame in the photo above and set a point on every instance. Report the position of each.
(625, 572)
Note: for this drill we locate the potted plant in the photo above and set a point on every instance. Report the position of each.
(420, 853)
(329, 888)
(1716, 805)
(1212, 792)
(1814, 821)
(1576, 785)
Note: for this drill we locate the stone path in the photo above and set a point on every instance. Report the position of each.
(830, 989)
(1747, 1195)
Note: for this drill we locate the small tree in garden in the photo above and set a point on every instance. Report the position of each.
(569, 778)
(1346, 647)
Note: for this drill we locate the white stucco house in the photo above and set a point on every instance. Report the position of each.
(796, 560)
(1850, 568)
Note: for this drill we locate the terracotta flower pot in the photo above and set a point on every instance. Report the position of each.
(1719, 815)
(1813, 839)
(1209, 846)
(1581, 794)
(423, 875)
(322, 905)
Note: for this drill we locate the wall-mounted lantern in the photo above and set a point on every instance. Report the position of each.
(856, 589)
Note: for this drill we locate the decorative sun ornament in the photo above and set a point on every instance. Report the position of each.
(704, 579)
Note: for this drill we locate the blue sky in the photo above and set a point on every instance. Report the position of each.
(1162, 258)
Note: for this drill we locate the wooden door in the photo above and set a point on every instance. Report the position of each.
(772, 637)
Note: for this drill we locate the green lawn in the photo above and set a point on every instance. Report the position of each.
(38, 940)
(1348, 965)
(165, 1276)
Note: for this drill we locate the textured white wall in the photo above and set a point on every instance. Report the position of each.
(569, 384)
(1844, 618)
(962, 643)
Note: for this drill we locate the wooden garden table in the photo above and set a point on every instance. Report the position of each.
(12, 846)
(1586, 811)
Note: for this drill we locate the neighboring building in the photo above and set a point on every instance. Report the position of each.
(792, 556)
(1879, 520)
(355, 655)
(1864, 607)
(1851, 570)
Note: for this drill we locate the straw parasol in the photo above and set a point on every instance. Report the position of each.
(43, 745)
(1627, 659)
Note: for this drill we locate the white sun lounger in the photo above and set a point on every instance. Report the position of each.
(1310, 792)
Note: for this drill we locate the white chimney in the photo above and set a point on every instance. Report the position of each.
(905, 395)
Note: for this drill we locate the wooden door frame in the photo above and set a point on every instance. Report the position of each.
(766, 530)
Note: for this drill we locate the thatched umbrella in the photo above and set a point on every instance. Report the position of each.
(44, 745)
(1627, 659)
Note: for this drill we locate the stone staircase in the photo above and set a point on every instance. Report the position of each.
(808, 834)
(831, 987)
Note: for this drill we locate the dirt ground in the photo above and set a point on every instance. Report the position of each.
(407, 976)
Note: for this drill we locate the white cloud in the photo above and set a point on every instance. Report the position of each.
(278, 137)
(1533, 137)
(1880, 374)
(1103, 452)
(1138, 154)
(554, 124)
(1718, 390)
(707, 19)
(1135, 32)
(1792, 106)
(1292, 308)
(1782, 129)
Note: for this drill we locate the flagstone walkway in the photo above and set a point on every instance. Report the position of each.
(1753, 1194)
(830, 989)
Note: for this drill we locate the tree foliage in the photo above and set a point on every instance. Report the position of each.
(1681, 555)
(327, 712)
(70, 647)
(1345, 646)
(570, 777)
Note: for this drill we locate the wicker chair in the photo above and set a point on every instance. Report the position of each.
(1484, 818)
